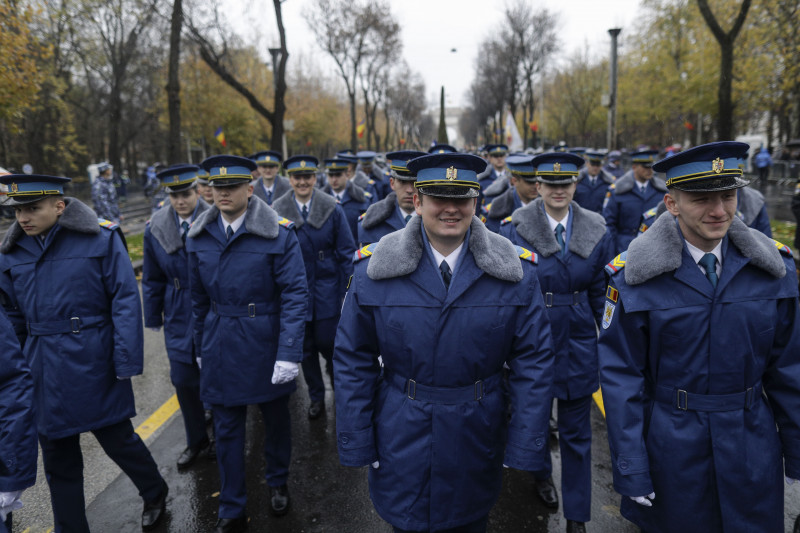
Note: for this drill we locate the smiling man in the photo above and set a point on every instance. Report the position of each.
(445, 303)
(700, 359)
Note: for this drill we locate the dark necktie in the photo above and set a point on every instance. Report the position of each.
(408, 217)
(591, 180)
(185, 228)
(304, 212)
(447, 274)
(560, 237)
(269, 197)
(709, 262)
(229, 232)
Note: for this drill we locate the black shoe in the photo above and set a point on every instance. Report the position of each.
(547, 492)
(575, 527)
(208, 416)
(231, 525)
(279, 500)
(153, 511)
(315, 410)
(190, 454)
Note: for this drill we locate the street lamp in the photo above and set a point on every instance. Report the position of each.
(612, 92)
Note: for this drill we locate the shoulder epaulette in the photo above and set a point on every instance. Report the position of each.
(616, 264)
(505, 221)
(650, 212)
(361, 217)
(147, 223)
(527, 255)
(785, 250)
(161, 203)
(107, 224)
(368, 194)
(371, 182)
(363, 253)
(286, 223)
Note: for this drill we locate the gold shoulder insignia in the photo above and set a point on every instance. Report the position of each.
(286, 223)
(361, 217)
(364, 252)
(107, 224)
(617, 264)
(505, 221)
(368, 194)
(527, 255)
(785, 250)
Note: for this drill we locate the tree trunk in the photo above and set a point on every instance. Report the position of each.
(115, 119)
(279, 107)
(174, 85)
(353, 138)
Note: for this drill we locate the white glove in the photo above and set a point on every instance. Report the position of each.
(285, 371)
(199, 362)
(376, 465)
(644, 500)
(156, 329)
(790, 481)
(9, 501)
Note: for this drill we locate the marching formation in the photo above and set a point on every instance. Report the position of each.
(463, 307)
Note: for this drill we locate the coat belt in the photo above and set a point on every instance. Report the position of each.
(246, 310)
(443, 395)
(691, 401)
(557, 299)
(72, 325)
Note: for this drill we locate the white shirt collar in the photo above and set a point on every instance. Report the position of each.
(406, 213)
(451, 259)
(553, 222)
(271, 188)
(236, 224)
(187, 220)
(301, 204)
(697, 254)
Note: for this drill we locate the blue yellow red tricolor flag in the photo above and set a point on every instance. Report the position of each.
(220, 136)
(361, 127)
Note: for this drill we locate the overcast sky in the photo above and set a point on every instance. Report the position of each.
(432, 28)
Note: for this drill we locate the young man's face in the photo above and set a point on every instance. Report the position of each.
(404, 189)
(498, 161)
(526, 190)
(445, 219)
(704, 217)
(303, 185)
(642, 172)
(206, 192)
(184, 202)
(267, 172)
(556, 196)
(593, 167)
(37, 218)
(337, 180)
(232, 200)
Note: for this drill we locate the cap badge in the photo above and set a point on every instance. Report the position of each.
(556, 167)
(717, 165)
(14, 187)
(452, 174)
(223, 171)
(176, 179)
(303, 164)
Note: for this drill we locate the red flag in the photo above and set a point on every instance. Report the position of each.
(688, 125)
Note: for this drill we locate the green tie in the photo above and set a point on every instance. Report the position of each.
(709, 262)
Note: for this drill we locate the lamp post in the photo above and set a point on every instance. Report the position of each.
(612, 92)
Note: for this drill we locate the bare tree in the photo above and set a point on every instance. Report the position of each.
(405, 104)
(374, 76)
(174, 84)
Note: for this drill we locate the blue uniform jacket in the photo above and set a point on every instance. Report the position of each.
(590, 196)
(327, 245)
(279, 188)
(82, 271)
(441, 462)
(573, 285)
(501, 207)
(382, 218)
(668, 341)
(623, 211)
(165, 282)
(249, 298)
(18, 445)
(369, 185)
(355, 202)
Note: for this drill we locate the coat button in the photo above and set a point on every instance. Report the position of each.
(623, 465)
(538, 442)
(290, 341)
(345, 440)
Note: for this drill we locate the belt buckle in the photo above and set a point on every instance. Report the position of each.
(748, 398)
(575, 298)
(251, 310)
(177, 283)
(411, 389)
(321, 255)
(478, 390)
(76, 324)
(685, 395)
(548, 299)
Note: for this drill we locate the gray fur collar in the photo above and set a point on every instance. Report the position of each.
(605, 176)
(497, 187)
(353, 191)
(322, 205)
(77, 216)
(531, 223)
(502, 205)
(627, 181)
(260, 219)
(399, 253)
(379, 211)
(164, 229)
(361, 179)
(660, 250)
(750, 203)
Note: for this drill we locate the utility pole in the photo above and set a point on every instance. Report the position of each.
(611, 139)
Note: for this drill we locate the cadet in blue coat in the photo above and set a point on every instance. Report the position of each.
(104, 194)
(328, 246)
(168, 300)
(631, 195)
(249, 297)
(444, 303)
(440, 148)
(497, 160)
(572, 245)
(614, 165)
(522, 192)
(393, 212)
(366, 162)
(269, 185)
(353, 200)
(72, 296)
(18, 447)
(356, 176)
(593, 183)
(700, 360)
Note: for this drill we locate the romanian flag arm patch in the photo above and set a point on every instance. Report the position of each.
(363, 253)
(784, 250)
(505, 221)
(107, 224)
(286, 223)
(527, 255)
(616, 264)
(612, 294)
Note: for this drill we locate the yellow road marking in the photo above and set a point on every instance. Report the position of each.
(598, 399)
(157, 419)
